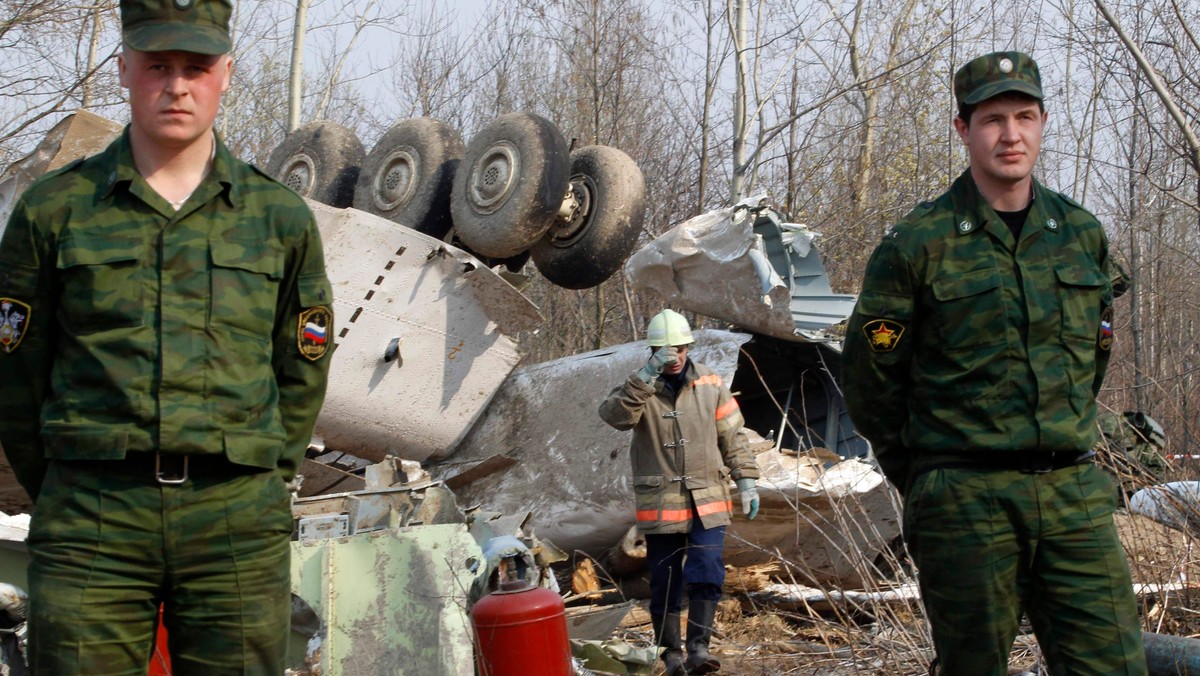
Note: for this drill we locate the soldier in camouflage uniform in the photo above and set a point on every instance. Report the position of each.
(972, 363)
(687, 442)
(167, 337)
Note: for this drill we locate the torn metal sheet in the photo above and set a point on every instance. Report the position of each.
(14, 557)
(1175, 504)
(77, 135)
(596, 623)
(614, 656)
(744, 265)
(827, 523)
(801, 597)
(477, 470)
(421, 338)
(572, 471)
(391, 601)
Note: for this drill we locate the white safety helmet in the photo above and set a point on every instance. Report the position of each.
(668, 328)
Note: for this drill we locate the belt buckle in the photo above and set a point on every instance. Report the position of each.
(169, 480)
(1037, 464)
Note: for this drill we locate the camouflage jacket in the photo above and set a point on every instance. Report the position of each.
(964, 340)
(129, 326)
(683, 448)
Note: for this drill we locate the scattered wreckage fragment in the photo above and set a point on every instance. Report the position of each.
(743, 265)
(423, 335)
(1175, 504)
(568, 468)
(413, 309)
(76, 136)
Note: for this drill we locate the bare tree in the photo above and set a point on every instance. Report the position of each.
(55, 56)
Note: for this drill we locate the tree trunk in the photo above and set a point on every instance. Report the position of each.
(296, 76)
(737, 184)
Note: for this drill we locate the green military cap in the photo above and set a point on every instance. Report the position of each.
(200, 26)
(996, 73)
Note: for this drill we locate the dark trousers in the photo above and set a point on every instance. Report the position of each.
(678, 559)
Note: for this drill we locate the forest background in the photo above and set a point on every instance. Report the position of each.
(847, 121)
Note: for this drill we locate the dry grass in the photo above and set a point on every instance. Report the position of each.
(878, 638)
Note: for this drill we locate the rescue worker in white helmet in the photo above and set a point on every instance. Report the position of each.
(687, 442)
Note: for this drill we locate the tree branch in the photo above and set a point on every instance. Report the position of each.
(1156, 84)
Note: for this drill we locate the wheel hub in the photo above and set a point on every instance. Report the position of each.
(573, 219)
(299, 174)
(395, 181)
(494, 177)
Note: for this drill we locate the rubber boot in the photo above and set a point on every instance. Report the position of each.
(699, 633)
(666, 636)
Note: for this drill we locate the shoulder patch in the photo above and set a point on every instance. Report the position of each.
(1104, 338)
(883, 335)
(314, 332)
(14, 315)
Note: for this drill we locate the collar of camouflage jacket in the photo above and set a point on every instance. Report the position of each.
(122, 172)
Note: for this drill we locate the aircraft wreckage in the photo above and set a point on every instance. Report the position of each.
(421, 237)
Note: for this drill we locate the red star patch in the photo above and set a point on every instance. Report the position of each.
(883, 335)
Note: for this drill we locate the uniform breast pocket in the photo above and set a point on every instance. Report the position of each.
(245, 286)
(968, 310)
(1082, 294)
(101, 284)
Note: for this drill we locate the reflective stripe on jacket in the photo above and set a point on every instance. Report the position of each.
(684, 449)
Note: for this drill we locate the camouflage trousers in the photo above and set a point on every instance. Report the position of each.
(990, 544)
(109, 545)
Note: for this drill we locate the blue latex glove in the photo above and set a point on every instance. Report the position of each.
(749, 492)
(660, 359)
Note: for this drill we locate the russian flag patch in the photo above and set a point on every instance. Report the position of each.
(313, 332)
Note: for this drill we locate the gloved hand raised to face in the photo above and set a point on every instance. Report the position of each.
(659, 360)
(749, 492)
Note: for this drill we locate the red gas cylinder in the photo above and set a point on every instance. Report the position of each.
(521, 631)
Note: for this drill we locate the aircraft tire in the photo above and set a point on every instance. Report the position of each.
(510, 185)
(611, 195)
(407, 177)
(321, 161)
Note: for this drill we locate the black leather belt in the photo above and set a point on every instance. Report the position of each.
(1025, 462)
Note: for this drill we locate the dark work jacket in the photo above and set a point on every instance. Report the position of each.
(684, 448)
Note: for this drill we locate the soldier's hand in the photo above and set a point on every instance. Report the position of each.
(748, 488)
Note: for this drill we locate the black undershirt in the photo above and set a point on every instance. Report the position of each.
(674, 381)
(1015, 219)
